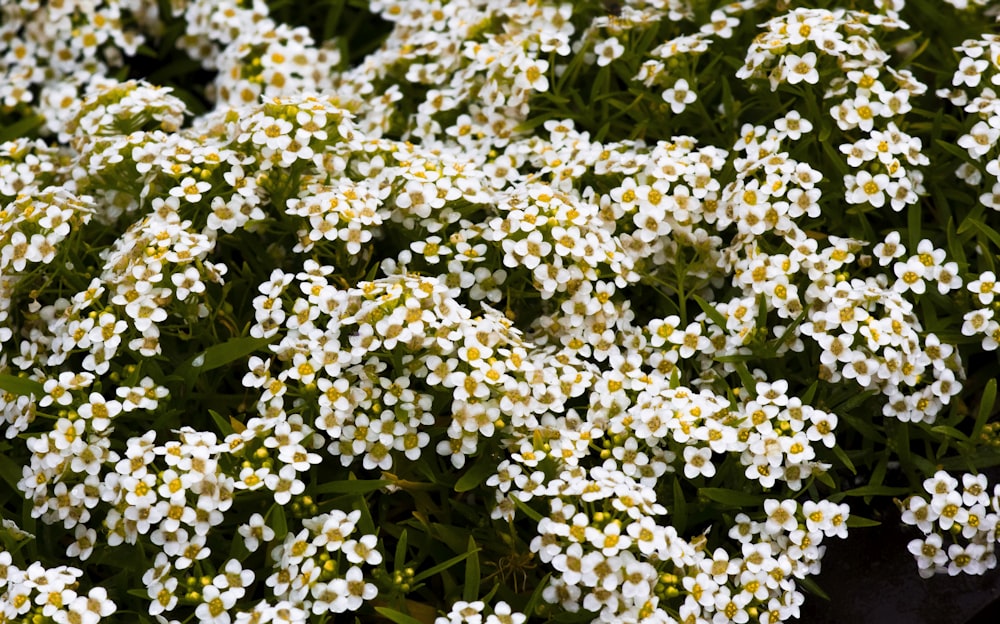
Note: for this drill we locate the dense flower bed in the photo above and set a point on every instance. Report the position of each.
(565, 312)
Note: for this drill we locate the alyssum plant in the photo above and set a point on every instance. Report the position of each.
(536, 310)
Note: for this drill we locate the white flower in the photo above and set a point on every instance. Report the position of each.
(985, 287)
(698, 461)
(801, 68)
(867, 188)
(215, 605)
(363, 550)
(679, 96)
(255, 531)
(981, 138)
(793, 126)
(911, 275)
(969, 72)
(929, 554)
(532, 74)
(608, 50)
(780, 515)
(190, 189)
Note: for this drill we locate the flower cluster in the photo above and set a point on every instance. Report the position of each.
(51, 52)
(959, 525)
(53, 591)
(871, 96)
(305, 352)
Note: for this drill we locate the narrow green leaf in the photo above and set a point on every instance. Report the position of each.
(223, 423)
(901, 438)
(476, 474)
(10, 471)
(276, 520)
(955, 245)
(983, 458)
(914, 217)
(982, 228)
(472, 574)
(734, 498)
(21, 386)
(835, 157)
(958, 152)
(844, 459)
(397, 616)
(810, 586)
(352, 486)
(950, 432)
(680, 508)
(863, 427)
(138, 593)
(366, 523)
(728, 105)
(238, 550)
(223, 353)
(825, 130)
(536, 596)
(528, 511)
(986, 403)
(810, 394)
(826, 479)
(21, 128)
(855, 522)
(748, 380)
(399, 560)
(441, 567)
(710, 311)
(878, 474)
(875, 490)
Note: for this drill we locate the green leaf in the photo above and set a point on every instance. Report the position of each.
(955, 245)
(855, 522)
(958, 152)
(826, 479)
(528, 511)
(21, 386)
(871, 490)
(441, 567)
(366, 523)
(222, 354)
(748, 380)
(352, 486)
(21, 128)
(950, 432)
(853, 400)
(536, 596)
(397, 616)
(710, 311)
(276, 520)
(734, 498)
(10, 471)
(680, 507)
(810, 585)
(844, 459)
(977, 225)
(914, 217)
(138, 593)
(986, 403)
(399, 560)
(472, 574)
(982, 458)
(224, 425)
(863, 427)
(476, 474)
(810, 394)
